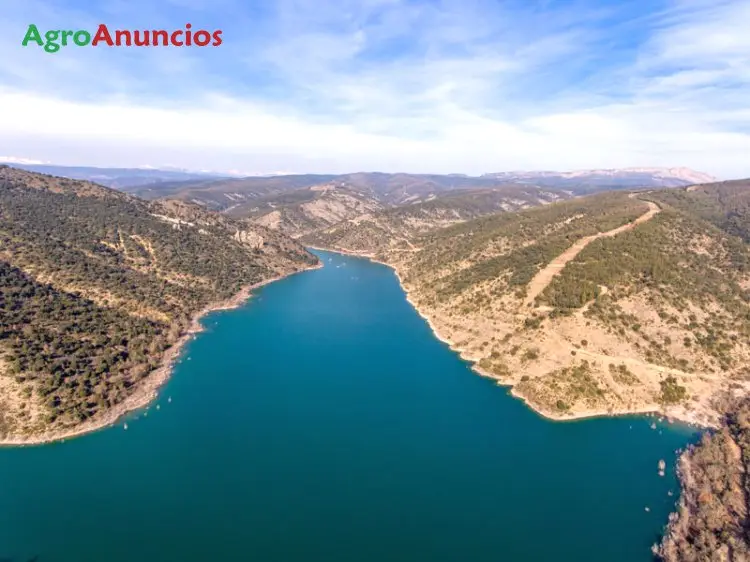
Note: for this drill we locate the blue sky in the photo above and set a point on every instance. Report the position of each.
(467, 86)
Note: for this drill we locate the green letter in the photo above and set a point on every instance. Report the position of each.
(51, 36)
(32, 34)
(82, 38)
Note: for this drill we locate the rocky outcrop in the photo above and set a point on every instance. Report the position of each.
(249, 238)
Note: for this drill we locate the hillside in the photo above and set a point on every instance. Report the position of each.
(723, 204)
(387, 189)
(126, 179)
(96, 286)
(712, 518)
(400, 189)
(610, 303)
(221, 194)
(394, 228)
(306, 210)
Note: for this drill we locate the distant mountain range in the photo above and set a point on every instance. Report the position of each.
(393, 228)
(580, 180)
(117, 178)
(302, 204)
(218, 191)
(252, 196)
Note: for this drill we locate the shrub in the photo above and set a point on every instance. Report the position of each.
(671, 392)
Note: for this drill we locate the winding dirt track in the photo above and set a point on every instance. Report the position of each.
(542, 279)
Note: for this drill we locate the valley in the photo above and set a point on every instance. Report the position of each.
(379, 281)
(584, 304)
(313, 412)
(572, 300)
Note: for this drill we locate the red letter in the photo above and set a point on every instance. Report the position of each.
(102, 34)
(145, 42)
(119, 34)
(217, 38)
(175, 42)
(160, 33)
(202, 38)
(188, 35)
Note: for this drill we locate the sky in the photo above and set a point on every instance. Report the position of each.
(423, 86)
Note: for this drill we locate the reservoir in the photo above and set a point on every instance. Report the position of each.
(324, 422)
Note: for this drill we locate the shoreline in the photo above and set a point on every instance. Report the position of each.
(644, 413)
(148, 389)
(474, 364)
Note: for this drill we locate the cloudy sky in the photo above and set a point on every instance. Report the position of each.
(468, 86)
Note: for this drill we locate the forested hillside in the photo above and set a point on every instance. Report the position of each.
(95, 285)
(395, 228)
(724, 204)
(300, 212)
(614, 302)
(712, 519)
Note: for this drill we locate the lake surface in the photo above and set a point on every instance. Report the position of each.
(324, 422)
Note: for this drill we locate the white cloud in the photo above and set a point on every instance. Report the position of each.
(19, 160)
(448, 86)
(608, 136)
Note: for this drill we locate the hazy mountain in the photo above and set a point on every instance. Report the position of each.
(398, 188)
(221, 194)
(584, 181)
(125, 179)
(218, 192)
(387, 189)
(306, 210)
(395, 227)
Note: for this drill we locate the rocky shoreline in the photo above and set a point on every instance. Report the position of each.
(682, 416)
(711, 520)
(714, 504)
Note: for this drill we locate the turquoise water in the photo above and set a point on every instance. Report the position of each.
(324, 422)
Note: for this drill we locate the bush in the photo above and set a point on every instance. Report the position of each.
(671, 392)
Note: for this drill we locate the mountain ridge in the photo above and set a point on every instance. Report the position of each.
(207, 188)
(120, 178)
(687, 175)
(394, 227)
